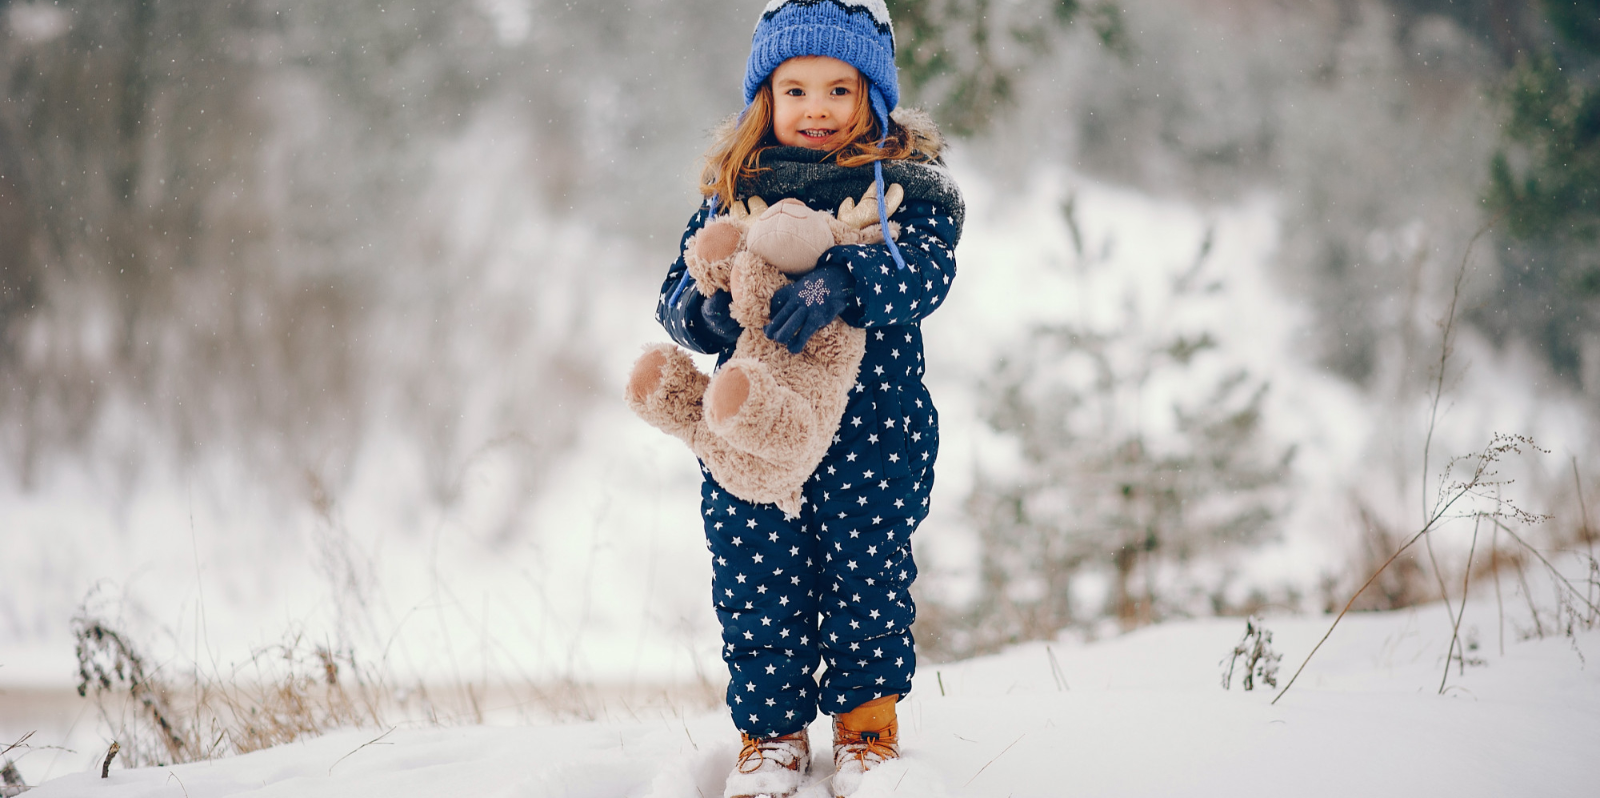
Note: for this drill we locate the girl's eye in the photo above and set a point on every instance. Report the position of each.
(795, 93)
(840, 91)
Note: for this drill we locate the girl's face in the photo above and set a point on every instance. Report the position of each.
(814, 101)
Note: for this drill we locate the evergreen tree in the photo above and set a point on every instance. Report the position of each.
(1545, 181)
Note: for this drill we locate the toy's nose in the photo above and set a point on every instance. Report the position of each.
(789, 207)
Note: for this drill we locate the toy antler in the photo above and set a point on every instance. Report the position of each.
(757, 206)
(865, 213)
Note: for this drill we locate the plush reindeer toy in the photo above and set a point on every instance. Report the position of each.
(766, 418)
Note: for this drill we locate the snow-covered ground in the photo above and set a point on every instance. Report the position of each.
(1141, 714)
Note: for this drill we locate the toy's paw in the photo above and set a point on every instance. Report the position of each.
(646, 376)
(751, 411)
(665, 389)
(717, 240)
(708, 253)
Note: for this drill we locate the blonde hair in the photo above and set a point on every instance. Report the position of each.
(735, 152)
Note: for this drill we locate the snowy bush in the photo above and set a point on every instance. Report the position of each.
(1260, 661)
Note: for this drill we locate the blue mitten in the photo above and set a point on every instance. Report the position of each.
(806, 305)
(716, 316)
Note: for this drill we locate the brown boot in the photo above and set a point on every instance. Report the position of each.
(863, 738)
(770, 767)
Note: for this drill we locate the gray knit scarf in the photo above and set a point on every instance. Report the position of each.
(801, 173)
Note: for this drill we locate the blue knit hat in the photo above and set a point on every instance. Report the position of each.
(857, 32)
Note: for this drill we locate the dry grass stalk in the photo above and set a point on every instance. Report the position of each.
(20, 743)
(282, 694)
(1484, 477)
(1499, 602)
(1560, 579)
(1455, 626)
(996, 759)
(1055, 671)
(374, 741)
(11, 782)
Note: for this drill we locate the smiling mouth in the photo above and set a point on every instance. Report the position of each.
(817, 134)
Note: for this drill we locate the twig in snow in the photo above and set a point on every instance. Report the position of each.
(1494, 567)
(1455, 632)
(1438, 576)
(111, 753)
(996, 759)
(1055, 671)
(1347, 605)
(373, 741)
(687, 734)
(1527, 594)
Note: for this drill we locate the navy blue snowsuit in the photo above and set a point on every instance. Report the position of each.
(832, 585)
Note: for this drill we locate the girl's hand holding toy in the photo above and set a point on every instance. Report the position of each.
(806, 305)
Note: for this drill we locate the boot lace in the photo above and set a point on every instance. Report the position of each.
(883, 745)
(753, 754)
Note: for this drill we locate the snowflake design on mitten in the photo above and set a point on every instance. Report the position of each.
(814, 293)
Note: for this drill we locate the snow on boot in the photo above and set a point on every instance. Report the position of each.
(770, 767)
(863, 738)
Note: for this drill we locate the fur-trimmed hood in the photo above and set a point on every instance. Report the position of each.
(806, 175)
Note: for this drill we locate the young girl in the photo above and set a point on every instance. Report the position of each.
(829, 586)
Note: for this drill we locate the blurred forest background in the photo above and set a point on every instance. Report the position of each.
(287, 260)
